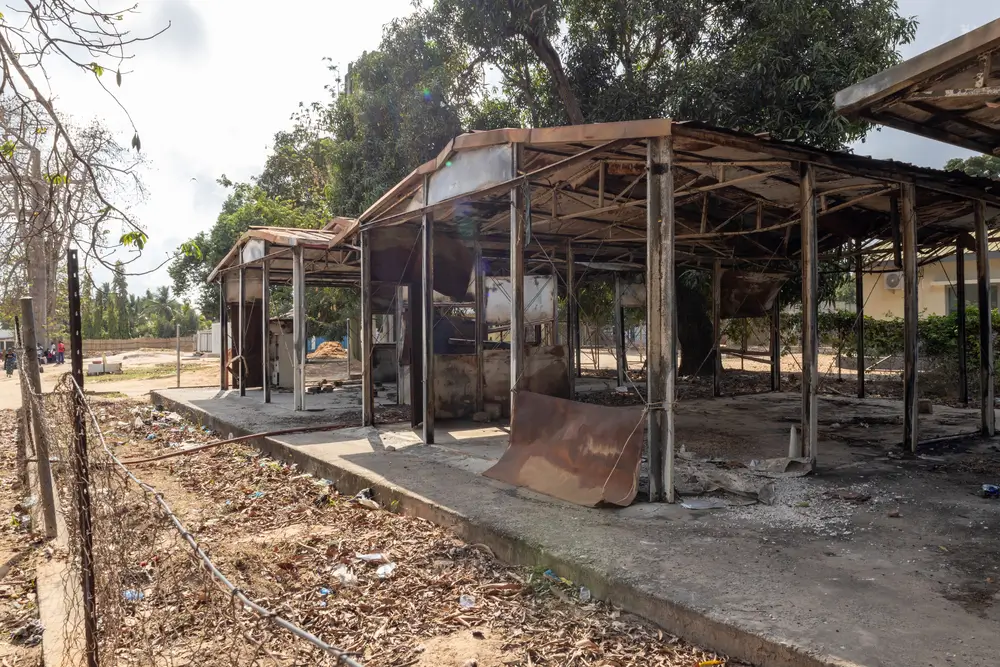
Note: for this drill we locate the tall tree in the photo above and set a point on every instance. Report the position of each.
(61, 184)
(762, 66)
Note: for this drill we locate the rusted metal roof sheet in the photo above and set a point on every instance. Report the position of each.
(737, 194)
(950, 93)
(328, 258)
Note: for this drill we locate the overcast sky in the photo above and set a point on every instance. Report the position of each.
(209, 94)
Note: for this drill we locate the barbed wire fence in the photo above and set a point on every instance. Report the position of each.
(158, 596)
(137, 587)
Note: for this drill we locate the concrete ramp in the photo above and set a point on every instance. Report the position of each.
(586, 454)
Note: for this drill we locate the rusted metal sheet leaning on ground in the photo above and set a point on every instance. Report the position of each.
(586, 454)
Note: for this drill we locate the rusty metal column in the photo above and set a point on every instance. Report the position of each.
(859, 308)
(265, 317)
(298, 329)
(554, 334)
(481, 327)
(776, 344)
(427, 297)
(655, 360)
(619, 328)
(810, 304)
(241, 339)
(963, 362)
(367, 386)
(517, 229)
(911, 313)
(669, 320)
(223, 336)
(986, 390)
(717, 328)
(571, 320)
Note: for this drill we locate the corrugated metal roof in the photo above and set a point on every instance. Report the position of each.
(329, 259)
(950, 93)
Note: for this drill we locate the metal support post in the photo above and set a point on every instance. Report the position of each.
(655, 360)
(669, 320)
(963, 363)
(810, 313)
(776, 344)
(41, 443)
(223, 336)
(427, 296)
(619, 329)
(859, 308)
(178, 331)
(265, 324)
(517, 232)
(81, 471)
(717, 328)
(299, 328)
(986, 389)
(911, 313)
(481, 328)
(367, 342)
(241, 337)
(572, 321)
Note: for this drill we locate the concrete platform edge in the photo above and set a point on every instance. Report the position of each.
(673, 616)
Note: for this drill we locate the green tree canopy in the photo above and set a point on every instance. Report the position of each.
(986, 166)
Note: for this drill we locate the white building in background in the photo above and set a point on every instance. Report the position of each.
(6, 339)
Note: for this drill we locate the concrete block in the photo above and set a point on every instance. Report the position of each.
(924, 406)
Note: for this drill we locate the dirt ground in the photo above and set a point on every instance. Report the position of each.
(282, 536)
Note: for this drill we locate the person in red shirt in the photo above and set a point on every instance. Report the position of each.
(60, 353)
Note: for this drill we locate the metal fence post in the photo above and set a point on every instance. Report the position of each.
(178, 356)
(34, 394)
(81, 472)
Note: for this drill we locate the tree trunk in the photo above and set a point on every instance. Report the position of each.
(547, 53)
(695, 335)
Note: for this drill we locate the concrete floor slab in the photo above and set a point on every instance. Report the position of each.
(873, 561)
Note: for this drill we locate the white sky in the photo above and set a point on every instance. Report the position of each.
(209, 94)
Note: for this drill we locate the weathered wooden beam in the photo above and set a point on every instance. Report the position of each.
(859, 309)
(367, 340)
(963, 364)
(911, 314)
(810, 312)
(655, 353)
(986, 371)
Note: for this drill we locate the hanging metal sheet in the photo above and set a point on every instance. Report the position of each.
(584, 453)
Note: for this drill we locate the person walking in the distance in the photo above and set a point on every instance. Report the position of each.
(60, 353)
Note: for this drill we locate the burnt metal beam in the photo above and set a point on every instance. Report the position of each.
(810, 305)
(911, 313)
(986, 371)
(963, 364)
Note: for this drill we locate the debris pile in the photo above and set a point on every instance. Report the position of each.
(329, 349)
